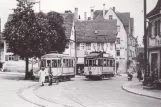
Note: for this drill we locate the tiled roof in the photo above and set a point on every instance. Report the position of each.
(99, 17)
(124, 17)
(98, 12)
(68, 23)
(132, 22)
(96, 31)
(155, 10)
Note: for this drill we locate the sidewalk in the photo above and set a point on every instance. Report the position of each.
(10, 84)
(17, 92)
(136, 87)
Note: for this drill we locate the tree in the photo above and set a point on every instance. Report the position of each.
(29, 34)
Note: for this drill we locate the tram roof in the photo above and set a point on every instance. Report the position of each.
(54, 55)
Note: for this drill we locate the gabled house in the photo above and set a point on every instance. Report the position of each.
(154, 40)
(95, 36)
(125, 41)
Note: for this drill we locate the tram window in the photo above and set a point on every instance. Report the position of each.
(54, 63)
(105, 63)
(59, 63)
(94, 62)
(90, 62)
(110, 63)
(67, 62)
(43, 63)
(48, 62)
(100, 62)
(64, 62)
(113, 63)
(71, 62)
(86, 63)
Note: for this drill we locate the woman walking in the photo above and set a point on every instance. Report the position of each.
(42, 74)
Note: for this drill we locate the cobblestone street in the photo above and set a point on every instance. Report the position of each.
(83, 93)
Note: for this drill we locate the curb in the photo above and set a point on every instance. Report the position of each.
(19, 93)
(35, 87)
(128, 90)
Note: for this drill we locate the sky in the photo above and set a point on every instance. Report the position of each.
(135, 7)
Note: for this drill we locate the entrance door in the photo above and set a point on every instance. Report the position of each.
(154, 61)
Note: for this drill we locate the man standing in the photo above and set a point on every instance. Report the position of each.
(50, 76)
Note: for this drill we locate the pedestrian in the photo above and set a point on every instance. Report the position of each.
(42, 74)
(139, 74)
(50, 75)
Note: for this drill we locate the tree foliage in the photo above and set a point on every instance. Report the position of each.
(31, 34)
(34, 34)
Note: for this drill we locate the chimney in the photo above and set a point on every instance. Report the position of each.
(76, 14)
(92, 10)
(114, 9)
(85, 15)
(104, 10)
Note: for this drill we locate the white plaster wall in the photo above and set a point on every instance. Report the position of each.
(71, 50)
(123, 41)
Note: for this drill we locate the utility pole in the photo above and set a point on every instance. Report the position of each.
(145, 43)
(75, 50)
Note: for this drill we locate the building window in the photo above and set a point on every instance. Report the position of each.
(82, 46)
(118, 40)
(118, 52)
(88, 46)
(110, 17)
(118, 28)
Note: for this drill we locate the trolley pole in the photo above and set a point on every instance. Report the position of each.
(145, 43)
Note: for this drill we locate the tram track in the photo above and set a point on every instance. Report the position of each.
(73, 101)
(102, 103)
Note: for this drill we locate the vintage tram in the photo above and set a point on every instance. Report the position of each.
(99, 66)
(62, 66)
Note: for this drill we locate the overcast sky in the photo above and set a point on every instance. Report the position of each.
(135, 7)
